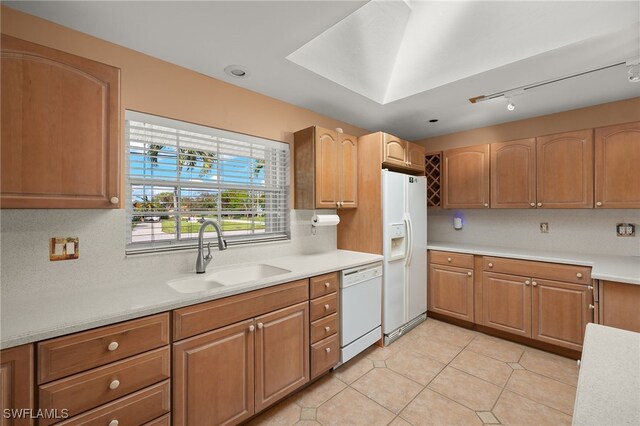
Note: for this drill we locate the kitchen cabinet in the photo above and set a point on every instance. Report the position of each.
(513, 174)
(16, 383)
(325, 320)
(465, 177)
(60, 129)
(325, 169)
(238, 355)
(565, 170)
(398, 153)
(617, 174)
(619, 304)
(506, 303)
(451, 289)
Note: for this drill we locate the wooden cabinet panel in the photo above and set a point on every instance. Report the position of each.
(513, 174)
(324, 355)
(60, 129)
(565, 170)
(560, 312)
(16, 383)
(451, 291)
(160, 421)
(324, 327)
(394, 150)
(617, 170)
(90, 389)
(72, 354)
(452, 259)
(465, 176)
(132, 410)
(324, 284)
(281, 353)
(416, 157)
(527, 268)
(196, 319)
(506, 303)
(326, 159)
(324, 306)
(348, 171)
(213, 376)
(620, 305)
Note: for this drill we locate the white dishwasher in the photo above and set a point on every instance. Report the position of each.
(360, 309)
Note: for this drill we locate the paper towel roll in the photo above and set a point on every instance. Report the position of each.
(325, 220)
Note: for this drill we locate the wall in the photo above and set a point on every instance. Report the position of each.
(624, 111)
(157, 87)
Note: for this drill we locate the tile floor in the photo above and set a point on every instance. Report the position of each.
(438, 374)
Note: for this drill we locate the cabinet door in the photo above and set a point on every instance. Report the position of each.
(394, 150)
(326, 158)
(506, 303)
(560, 312)
(617, 156)
(60, 129)
(282, 353)
(513, 174)
(565, 170)
(451, 291)
(348, 171)
(16, 383)
(415, 157)
(619, 304)
(213, 377)
(465, 177)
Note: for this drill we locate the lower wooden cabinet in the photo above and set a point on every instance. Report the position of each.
(506, 303)
(451, 291)
(16, 383)
(620, 305)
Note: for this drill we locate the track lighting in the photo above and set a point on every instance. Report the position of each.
(511, 106)
(634, 72)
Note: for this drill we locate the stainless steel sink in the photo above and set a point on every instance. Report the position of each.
(226, 277)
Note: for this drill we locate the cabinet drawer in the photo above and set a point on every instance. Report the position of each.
(208, 316)
(90, 389)
(132, 410)
(324, 327)
(324, 284)
(550, 271)
(324, 355)
(452, 259)
(161, 421)
(72, 354)
(323, 306)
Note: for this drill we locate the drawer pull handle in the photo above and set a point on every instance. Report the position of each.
(486, 204)
(532, 204)
(327, 329)
(469, 273)
(490, 265)
(114, 423)
(590, 287)
(527, 282)
(328, 350)
(599, 203)
(260, 325)
(326, 307)
(114, 384)
(535, 284)
(113, 346)
(539, 204)
(327, 284)
(114, 200)
(591, 306)
(251, 327)
(448, 259)
(579, 275)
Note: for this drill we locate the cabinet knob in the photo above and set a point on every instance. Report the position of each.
(532, 204)
(591, 306)
(328, 350)
(490, 265)
(327, 284)
(326, 307)
(599, 203)
(469, 273)
(251, 327)
(539, 204)
(486, 204)
(327, 329)
(527, 282)
(337, 203)
(448, 259)
(535, 284)
(113, 346)
(260, 325)
(114, 384)
(114, 200)
(590, 287)
(579, 275)
(114, 423)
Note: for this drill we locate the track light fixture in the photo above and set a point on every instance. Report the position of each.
(633, 69)
(511, 106)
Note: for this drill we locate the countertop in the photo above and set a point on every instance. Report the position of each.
(609, 380)
(47, 315)
(624, 269)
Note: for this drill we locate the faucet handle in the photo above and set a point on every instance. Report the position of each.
(224, 244)
(208, 256)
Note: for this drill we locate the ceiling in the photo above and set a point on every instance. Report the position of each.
(385, 65)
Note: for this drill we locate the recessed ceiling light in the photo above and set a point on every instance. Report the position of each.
(237, 71)
(433, 120)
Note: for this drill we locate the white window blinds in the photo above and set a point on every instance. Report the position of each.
(180, 174)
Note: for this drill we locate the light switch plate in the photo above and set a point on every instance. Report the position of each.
(64, 248)
(544, 227)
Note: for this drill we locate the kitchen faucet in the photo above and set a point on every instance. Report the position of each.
(202, 261)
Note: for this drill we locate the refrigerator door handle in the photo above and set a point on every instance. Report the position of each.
(409, 250)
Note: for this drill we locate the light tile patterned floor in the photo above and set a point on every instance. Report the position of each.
(438, 374)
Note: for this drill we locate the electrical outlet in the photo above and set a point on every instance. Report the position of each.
(625, 229)
(63, 248)
(544, 227)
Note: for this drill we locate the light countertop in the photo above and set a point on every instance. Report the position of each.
(609, 381)
(624, 269)
(47, 315)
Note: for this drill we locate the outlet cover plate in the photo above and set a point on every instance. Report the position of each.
(64, 248)
(544, 227)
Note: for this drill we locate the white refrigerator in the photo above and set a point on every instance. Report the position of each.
(404, 221)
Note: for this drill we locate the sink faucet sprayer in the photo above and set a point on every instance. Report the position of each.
(203, 261)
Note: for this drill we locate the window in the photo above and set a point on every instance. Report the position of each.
(181, 174)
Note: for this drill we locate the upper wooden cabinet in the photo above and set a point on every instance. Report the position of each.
(325, 169)
(565, 170)
(513, 174)
(16, 383)
(60, 129)
(465, 177)
(398, 153)
(617, 166)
